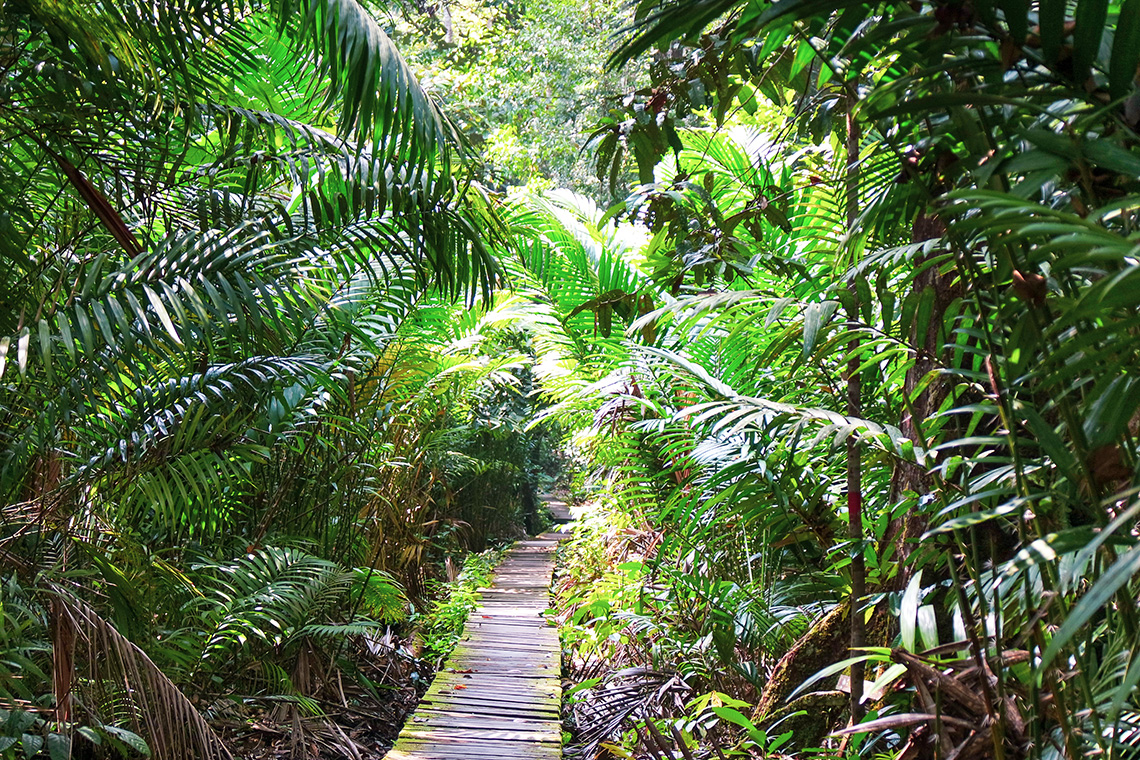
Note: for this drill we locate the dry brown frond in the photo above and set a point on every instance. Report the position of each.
(120, 685)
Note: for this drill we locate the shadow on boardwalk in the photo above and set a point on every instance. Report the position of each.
(499, 695)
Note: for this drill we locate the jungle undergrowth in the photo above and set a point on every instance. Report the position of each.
(439, 627)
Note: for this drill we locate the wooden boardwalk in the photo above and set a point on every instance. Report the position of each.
(499, 695)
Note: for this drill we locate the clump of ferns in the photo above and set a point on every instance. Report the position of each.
(285, 606)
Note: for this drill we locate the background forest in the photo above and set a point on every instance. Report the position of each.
(829, 312)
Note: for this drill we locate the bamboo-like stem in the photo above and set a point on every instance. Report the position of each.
(854, 409)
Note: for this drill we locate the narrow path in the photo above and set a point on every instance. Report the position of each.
(499, 694)
(559, 509)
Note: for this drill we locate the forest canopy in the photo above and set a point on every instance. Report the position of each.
(826, 313)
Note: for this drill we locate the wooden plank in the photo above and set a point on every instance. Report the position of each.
(477, 747)
(488, 697)
(530, 688)
(482, 621)
(500, 654)
(498, 695)
(531, 670)
(427, 750)
(426, 718)
(430, 718)
(552, 685)
(535, 687)
(518, 630)
(496, 638)
(485, 733)
(495, 659)
(488, 648)
(523, 630)
(495, 710)
(512, 634)
(484, 706)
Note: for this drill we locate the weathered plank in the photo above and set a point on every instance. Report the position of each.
(473, 749)
(496, 710)
(430, 718)
(493, 708)
(499, 694)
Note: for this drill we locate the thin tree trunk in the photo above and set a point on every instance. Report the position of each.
(904, 531)
(854, 409)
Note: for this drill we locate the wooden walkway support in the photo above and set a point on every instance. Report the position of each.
(499, 695)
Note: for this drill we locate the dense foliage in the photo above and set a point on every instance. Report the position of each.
(524, 81)
(888, 370)
(848, 382)
(234, 444)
